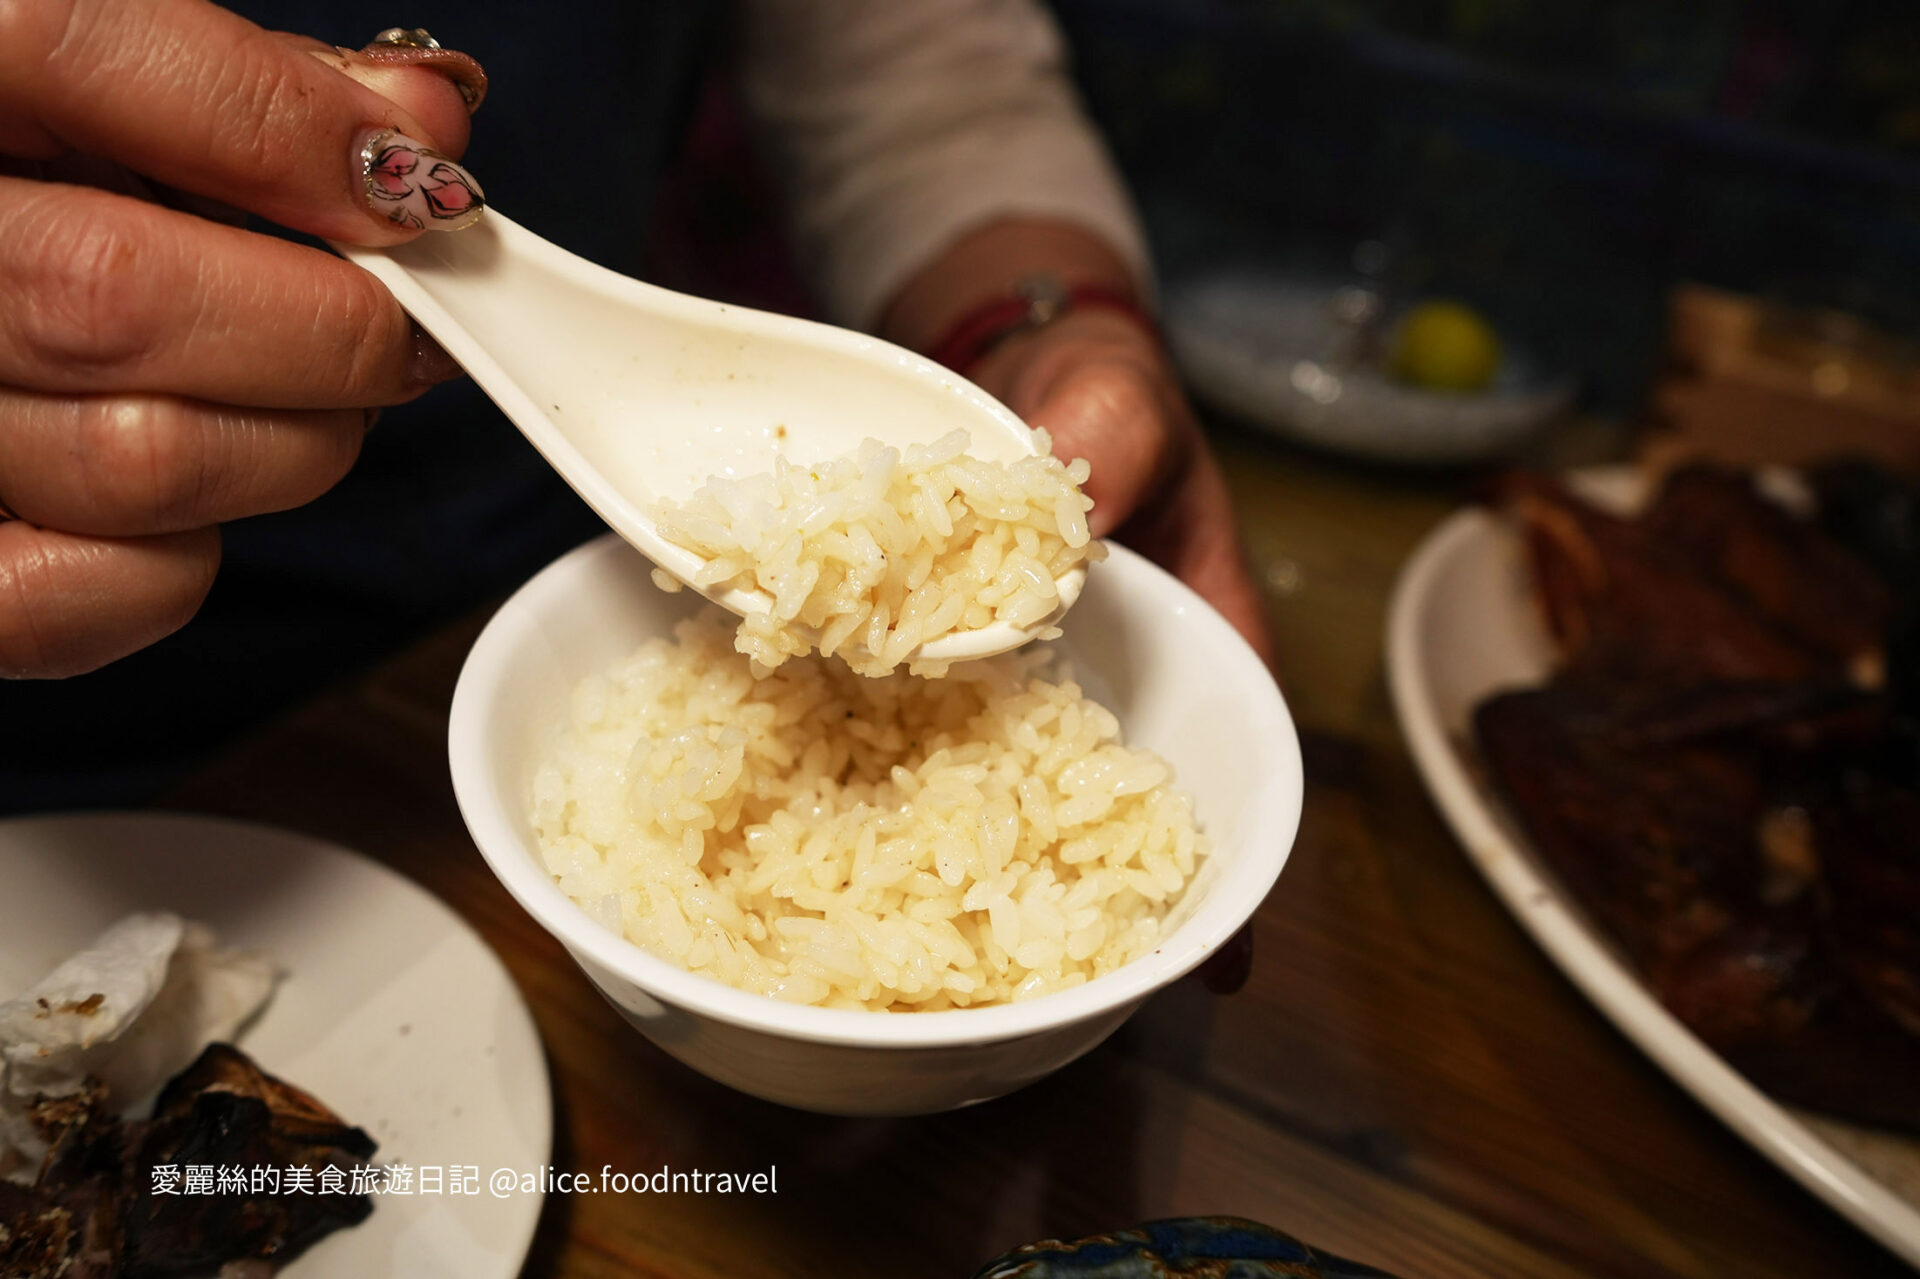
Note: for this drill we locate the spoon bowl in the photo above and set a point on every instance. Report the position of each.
(635, 393)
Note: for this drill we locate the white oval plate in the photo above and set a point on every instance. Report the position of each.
(392, 1011)
(1463, 626)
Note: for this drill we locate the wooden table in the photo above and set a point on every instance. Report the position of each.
(1406, 1080)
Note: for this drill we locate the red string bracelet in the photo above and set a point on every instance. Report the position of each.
(1034, 303)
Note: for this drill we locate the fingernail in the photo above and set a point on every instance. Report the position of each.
(430, 365)
(409, 184)
(413, 47)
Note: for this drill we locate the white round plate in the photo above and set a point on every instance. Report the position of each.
(1463, 626)
(1262, 347)
(391, 1011)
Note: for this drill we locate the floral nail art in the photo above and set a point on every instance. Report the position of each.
(413, 186)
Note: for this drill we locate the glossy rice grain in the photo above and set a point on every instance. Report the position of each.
(873, 555)
(885, 844)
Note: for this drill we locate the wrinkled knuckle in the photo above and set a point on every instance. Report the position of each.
(32, 33)
(1095, 381)
(369, 337)
(88, 296)
(148, 455)
(264, 101)
(272, 464)
(1130, 393)
(1124, 403)
(27, 587)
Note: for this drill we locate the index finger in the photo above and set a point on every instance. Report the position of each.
(199, 98)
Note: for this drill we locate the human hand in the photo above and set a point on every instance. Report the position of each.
(1102, 386)
(163, 371)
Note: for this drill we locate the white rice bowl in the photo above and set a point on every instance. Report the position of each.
(882, 844)
(1182, 684)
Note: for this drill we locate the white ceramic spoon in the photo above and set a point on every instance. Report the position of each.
(635, 393)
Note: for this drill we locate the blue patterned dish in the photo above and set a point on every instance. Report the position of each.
(1181, 1248)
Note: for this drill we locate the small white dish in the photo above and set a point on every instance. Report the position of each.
(635, 393)
(1179, 678)
(392, 1011)
(1463, 626)
(1269, 350)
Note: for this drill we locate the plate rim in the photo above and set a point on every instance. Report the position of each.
(515, 1256)
(1583, 957)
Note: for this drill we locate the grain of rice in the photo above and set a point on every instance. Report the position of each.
(874, 555)
(886, 844)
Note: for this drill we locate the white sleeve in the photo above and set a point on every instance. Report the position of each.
(899, 125)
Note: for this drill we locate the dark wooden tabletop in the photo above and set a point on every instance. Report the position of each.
(1405, 1080)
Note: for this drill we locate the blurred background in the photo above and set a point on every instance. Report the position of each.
(1682, 228)
(1561, 167)
(1639, 217)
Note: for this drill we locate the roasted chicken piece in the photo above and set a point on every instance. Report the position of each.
(1617, 601)
(1726, 770)
(1793, 574)
(1718, 835)
(92, 1213)
(1873, 513)
(225, 1111)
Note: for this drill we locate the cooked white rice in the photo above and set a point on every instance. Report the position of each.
(829, 839)
(872, 555)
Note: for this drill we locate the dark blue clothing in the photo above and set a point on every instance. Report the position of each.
(448, 506)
